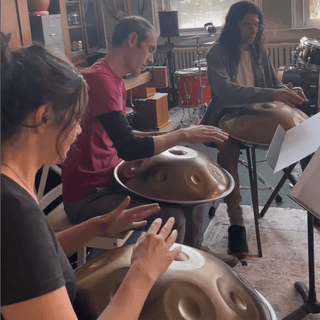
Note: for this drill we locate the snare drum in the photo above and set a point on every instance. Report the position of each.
(308, 80)
(203, 63)
(309, 51)
(188, 86)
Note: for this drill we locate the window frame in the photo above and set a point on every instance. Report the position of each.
(191, 31)
(300, 12)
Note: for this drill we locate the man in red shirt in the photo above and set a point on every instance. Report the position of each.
(89, 188)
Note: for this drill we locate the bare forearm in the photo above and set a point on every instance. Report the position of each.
(130, 297)
(168, 140)
(77, 237)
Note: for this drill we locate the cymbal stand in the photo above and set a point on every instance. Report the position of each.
(199, 110)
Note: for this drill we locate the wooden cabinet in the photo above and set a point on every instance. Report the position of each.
(84, 34)
(15, 19)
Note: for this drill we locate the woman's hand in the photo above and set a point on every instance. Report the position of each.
(118, 222)
(151, 254)
(202, 134)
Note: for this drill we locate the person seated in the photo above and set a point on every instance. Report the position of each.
(43, 99)
(239, 72)
(89, 186)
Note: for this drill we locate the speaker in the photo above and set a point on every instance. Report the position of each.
(169, 25)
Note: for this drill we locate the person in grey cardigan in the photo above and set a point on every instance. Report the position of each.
(239, 72)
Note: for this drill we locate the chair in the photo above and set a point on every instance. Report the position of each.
(59, 220)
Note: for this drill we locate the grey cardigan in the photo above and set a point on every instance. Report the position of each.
(226, 94)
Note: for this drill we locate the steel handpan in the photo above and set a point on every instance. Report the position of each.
(256, 124)
(178, 175)
(196, 286)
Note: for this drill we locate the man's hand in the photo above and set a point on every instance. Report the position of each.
(202, 134)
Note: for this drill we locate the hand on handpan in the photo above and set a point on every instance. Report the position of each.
(202, 134)
(290, 97)
(151, 254)
(297, 90)
(118, 222)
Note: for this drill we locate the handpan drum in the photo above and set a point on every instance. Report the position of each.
(196, 286)
(256, 124)
(178, 175)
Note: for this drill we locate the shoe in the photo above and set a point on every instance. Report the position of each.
(237, 241)
(229, 259)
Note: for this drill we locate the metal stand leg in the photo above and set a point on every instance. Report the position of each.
(287, 175)
(252, 168)
(311, 305)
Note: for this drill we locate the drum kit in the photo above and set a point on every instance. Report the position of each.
(192, 84)
(308, 55)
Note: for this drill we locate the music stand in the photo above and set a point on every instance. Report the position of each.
(311, 304)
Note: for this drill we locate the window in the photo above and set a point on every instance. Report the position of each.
(305, 13)
(195, 13)
(312, 14)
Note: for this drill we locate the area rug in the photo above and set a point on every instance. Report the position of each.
(285, 254)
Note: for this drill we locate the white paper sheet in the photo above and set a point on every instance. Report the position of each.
(307, 188)
(296, 144)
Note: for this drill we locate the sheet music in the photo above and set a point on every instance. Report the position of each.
(295, 144)
(307, 188)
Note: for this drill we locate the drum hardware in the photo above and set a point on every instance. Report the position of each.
(195, 286)
(261, 179)
(308, 52)
(308, 80)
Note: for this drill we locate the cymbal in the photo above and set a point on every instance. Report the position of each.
(195, 40)
(197, 36)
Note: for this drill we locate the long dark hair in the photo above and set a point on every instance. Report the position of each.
(31, 77)
(231, 36)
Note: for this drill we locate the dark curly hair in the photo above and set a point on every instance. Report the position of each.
(231, 36)
(31, 77)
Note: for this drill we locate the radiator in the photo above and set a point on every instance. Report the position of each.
(280, 55)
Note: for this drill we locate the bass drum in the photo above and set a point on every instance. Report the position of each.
(308, 80)
(196, 286)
